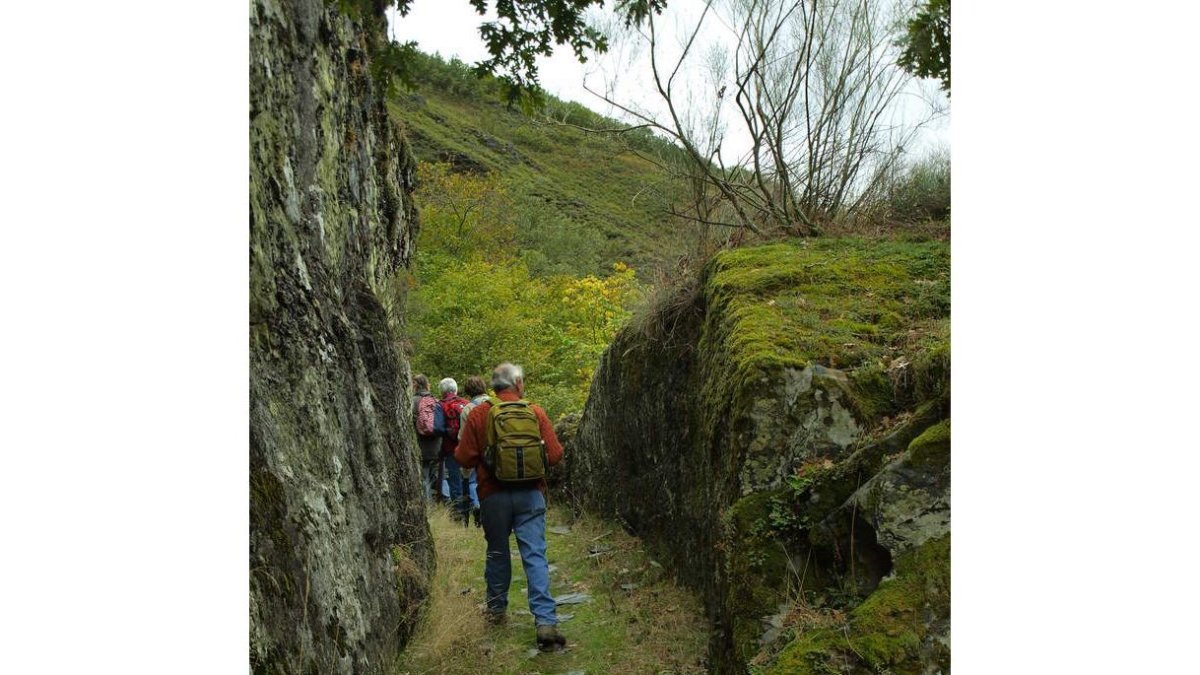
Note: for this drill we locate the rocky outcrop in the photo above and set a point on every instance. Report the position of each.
(763, 430)
(340, 551)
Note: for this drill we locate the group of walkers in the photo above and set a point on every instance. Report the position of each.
(439, 426)
(493, 453)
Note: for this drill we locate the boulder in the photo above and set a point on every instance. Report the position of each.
(755, 431)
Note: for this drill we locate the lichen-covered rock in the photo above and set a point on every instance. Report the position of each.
(738, 430)
(908, 502)
(340, 551)
(806, 416)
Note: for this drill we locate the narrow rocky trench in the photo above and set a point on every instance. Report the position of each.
(621, 610)
(751, 431)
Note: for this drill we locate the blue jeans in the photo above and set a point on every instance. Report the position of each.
(453, 477)
(429, 472)
(474, 493)
(522, 511)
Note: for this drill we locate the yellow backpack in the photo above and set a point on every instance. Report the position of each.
(515, 453)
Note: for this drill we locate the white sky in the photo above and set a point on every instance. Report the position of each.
(450, 28)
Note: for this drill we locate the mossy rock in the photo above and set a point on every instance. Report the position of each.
(758, 567)
(931, 450)
(903, 627)
(795, 373)
(843, 303)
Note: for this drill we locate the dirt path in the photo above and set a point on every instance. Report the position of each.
(632, 618)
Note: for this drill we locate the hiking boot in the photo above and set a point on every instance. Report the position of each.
(549, 639)
(476, 517)
(495, 618)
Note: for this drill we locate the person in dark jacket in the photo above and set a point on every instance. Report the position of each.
(429, 445)
(507, 509)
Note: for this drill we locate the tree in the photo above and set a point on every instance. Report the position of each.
(816, 88)
(524, 30)
(927, 43)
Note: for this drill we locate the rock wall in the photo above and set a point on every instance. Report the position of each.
(340, 551)
(719, 430)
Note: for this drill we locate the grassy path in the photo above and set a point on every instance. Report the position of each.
(637, 621)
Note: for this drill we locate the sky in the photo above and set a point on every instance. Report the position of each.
(450, 28)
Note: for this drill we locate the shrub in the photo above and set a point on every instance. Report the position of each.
(921, 189)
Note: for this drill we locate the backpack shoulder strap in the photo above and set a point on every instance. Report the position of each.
(491, 420)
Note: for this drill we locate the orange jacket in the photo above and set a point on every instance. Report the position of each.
(469, 452)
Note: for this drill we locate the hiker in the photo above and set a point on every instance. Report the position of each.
(452, 405)
(430, 424)
(508, 423)
(476, 390)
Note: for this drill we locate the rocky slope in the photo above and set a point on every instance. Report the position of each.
(779, 430)
(340, 550)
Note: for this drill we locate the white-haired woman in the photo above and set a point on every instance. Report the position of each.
(449, 475)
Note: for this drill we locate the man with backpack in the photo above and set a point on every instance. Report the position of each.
(511, 444)
(430, 425)
(452, 405)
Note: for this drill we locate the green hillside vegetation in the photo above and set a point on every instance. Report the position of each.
(582, 200)
(533, 232)
(476, 301)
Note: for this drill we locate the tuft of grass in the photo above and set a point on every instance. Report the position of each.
(639, 619)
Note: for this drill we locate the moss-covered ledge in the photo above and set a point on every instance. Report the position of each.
(796, 373)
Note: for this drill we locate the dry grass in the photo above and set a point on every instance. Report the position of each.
(871, 228)
(639, 620)
(452, 616)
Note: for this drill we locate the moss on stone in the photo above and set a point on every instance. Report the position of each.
(820, 493)
(932, 448)
(873, 393)
(754, 537)
(747, 365)
(759, 564)
(891, 628)
(842, 303)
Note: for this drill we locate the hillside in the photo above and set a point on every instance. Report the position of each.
(586, 200)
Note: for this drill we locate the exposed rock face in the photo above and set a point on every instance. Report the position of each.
(908, 502)
(340, 551)
(760, 472)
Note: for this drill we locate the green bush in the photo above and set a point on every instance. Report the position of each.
(478, 298)
(921, 189)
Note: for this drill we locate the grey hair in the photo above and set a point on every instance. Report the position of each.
(448, 384)
(506, 375)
